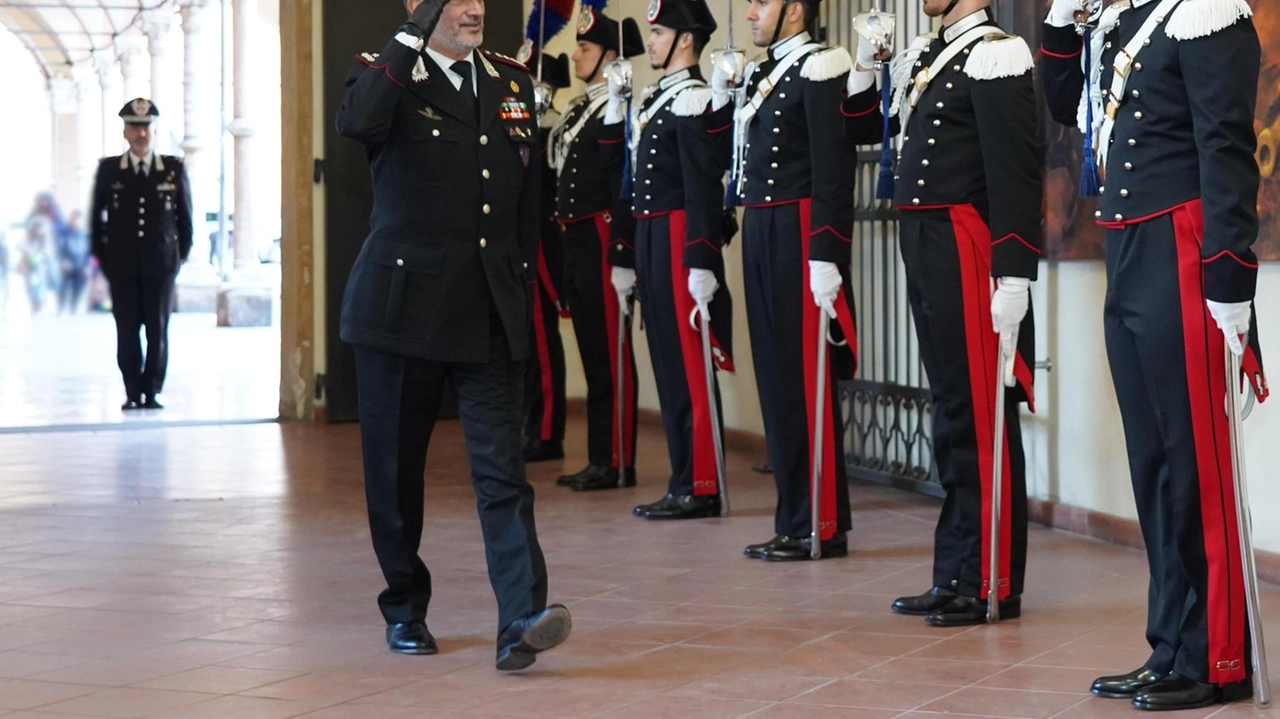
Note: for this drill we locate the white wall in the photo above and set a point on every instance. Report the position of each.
(1075, 444)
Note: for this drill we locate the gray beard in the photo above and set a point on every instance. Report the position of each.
(458, 45)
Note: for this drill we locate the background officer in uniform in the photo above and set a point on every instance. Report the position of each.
(969, 186)
(594, 217)
(141, 234)
(797, 173)
(440, 292)
(544, 380)
(1179, 203)
(679, 152)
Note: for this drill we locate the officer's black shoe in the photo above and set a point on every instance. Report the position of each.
(410, 638)
(590, 470)
(798, 549)
(927, 603)
(1178, 692)
(152, 403)
(608, 478)
(536, 450)
(964, 611)
(1124, 686)
(756, 551)
(644, 509)
(685, 506)
(522, 640)
(132, 404)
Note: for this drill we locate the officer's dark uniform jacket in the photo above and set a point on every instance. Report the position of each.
(454, 228)
(971, 140)
(141, 226)
(590, 180)
(1184, 128)
(793, 149)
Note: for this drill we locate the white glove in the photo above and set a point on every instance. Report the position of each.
(702, 287)
(624, 283)
(1009, 306)
(825, 283)
(1233, 319)
(1063, 12)
(616, 107)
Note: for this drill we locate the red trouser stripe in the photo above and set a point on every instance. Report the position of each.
(545, 378)
(1207, 386)
(828, 526)
(973, 244)
(703, 443)
(609, 300)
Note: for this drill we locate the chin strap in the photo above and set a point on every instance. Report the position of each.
(950, 7)
(671, 53)
(786, 4)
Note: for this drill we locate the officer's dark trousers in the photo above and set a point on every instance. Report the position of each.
(594, 305)
(1168, 367)
(399, 399)
(783, 319)
(947, 256)
(544, 390)
(138, 303)
(675, 349)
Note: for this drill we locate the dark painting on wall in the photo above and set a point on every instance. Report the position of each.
(1070, 233)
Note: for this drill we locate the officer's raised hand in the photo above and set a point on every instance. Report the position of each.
(423, 17)
(615, 109)
(1064, 12)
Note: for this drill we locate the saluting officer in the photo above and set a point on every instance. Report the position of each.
(794, 170)
(141, 234)
(594, 217)
(969, 183)
(544, 381)
(1172, 89)
(679, 151)
(440, 292)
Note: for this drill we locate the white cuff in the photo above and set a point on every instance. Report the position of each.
(412, 42)
(860, 80)
(614, 114)
(720, 99)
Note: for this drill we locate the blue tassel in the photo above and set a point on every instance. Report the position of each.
(885, 187)
(1089, 180)
(628, 179)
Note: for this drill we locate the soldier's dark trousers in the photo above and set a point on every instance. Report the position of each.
(1167, 363)
(783, 322)
(544, 389)
(399, 399)
(947, 255)
(594, 306)
(139, 303)
(675, 349)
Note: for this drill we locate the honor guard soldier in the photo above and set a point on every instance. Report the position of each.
(678, 151)
(1170, 87)
(794, 172)
(969, 187)
(440, 292)
(544, 381)
(141, 234)
(594, 217)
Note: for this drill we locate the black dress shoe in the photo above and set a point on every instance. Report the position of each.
(152, 403)
(410, 638)
(644, 509)
(131, 404)
(1124, 686)
(606, 479)
(1178, 692)
(756, 551)
(685, 506)
(590, 470)
(798, 549)
(964, 611)
(925, 604)
(522, 640)
(536, 450)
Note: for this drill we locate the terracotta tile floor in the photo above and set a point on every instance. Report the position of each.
(226, 573)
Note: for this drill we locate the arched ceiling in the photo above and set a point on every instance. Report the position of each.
(63, 33)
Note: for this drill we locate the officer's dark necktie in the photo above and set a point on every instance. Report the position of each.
(463, 69)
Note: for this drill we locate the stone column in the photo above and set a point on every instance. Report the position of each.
(88, 96)
(158, 24)
(65, 105)
(104, 61)
(132, 51)
(245, 15)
